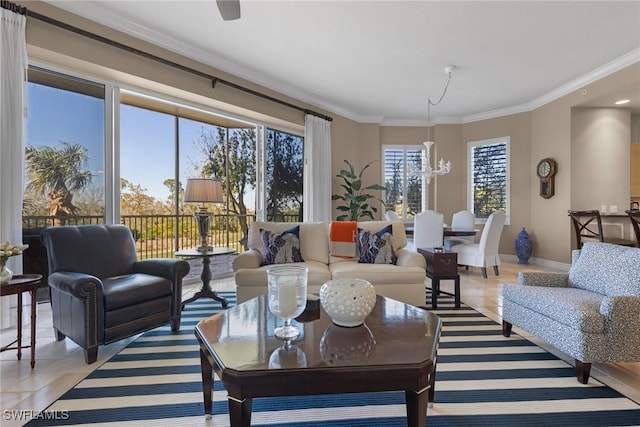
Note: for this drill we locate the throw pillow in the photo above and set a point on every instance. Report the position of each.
(281, 248)
(342, 239)
(376, 248)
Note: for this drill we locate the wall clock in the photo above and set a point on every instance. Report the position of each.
(546, 171)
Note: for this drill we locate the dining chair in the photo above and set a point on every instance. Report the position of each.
(428, 229)
(462, 219)
(588, 228)
(634, 216)
(391, 216)
(484, 253)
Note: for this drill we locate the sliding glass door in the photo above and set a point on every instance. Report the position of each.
(99, 154)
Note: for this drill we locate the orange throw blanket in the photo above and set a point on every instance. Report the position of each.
(342, 237)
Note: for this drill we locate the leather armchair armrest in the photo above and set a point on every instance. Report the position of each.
(251, 258)
(407, 258)
(78, 309)
(172, 269)
(543, 278)
(74, 284)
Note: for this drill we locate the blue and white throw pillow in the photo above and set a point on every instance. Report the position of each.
(281, 248)
(376, 248)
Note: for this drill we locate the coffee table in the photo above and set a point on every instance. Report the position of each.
(397, 351)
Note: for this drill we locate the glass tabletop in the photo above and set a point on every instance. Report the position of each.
(241, 338)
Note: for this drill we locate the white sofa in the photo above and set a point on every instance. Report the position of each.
(404, 281)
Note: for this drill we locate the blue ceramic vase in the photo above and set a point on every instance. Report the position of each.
(523, 247)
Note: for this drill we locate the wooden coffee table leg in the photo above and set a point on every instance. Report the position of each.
(417, 407)
(207, 380)
(432, 384)
(240, 411)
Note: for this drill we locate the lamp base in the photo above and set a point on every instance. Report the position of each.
(204, 224)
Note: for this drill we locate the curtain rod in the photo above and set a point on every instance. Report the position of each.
(13, 7)
(214, 80)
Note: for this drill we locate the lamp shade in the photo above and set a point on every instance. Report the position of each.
(203, 190)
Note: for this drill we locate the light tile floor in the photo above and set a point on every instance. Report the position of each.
(60, 364)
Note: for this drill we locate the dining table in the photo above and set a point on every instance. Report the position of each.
(450, 231)
(458, 231)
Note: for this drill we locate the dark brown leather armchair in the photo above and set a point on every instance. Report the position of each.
(101, 293)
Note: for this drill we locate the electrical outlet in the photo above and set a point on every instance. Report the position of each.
(613, 209)
(603, 209)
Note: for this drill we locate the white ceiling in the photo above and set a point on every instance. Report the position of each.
(379, 61)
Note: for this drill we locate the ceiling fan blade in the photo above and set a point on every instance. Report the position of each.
(229, 9)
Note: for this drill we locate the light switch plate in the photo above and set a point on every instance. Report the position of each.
(613, 209)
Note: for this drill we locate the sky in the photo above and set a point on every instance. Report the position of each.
(55, 116)
(147, 148)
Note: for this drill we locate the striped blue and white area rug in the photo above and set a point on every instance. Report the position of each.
(483, 379)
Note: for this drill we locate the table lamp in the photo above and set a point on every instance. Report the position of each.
(203, 190)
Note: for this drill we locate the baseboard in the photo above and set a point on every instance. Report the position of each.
(539, 261)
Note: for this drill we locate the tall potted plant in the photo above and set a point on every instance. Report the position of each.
(356, 200)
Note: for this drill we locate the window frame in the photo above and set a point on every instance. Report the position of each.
(470, 173)
(405, 176)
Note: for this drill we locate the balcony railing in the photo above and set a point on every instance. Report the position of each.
(159, 236)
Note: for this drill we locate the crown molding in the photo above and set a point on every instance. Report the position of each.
(576, 84)
(443, 120)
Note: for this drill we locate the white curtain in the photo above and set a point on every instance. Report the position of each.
(13, 65)
(317, 170)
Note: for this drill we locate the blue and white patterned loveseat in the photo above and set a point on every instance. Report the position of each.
(591, 313)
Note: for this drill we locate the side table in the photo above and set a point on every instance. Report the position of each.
(17, 286)
(442, 265)
(205, 291)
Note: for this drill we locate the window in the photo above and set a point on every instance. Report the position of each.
(404, 193)
(97, 153)
(65, 146)
(284, 173)
(488, 189)
(181, 142)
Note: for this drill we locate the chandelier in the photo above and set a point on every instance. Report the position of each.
(428, 172)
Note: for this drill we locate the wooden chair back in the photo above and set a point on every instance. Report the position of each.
(588, 227)
(634, 216)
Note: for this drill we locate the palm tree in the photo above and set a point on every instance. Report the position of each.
(56, 173)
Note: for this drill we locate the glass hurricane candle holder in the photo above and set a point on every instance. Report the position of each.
(287, 296)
